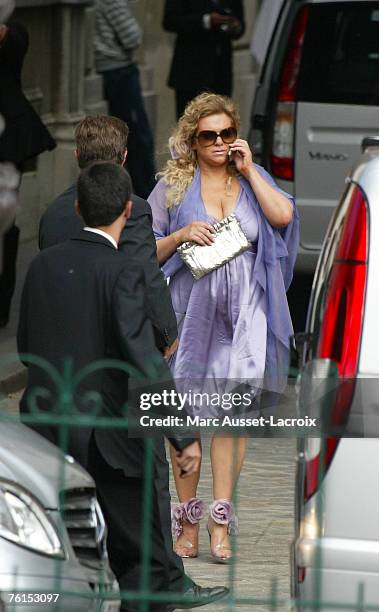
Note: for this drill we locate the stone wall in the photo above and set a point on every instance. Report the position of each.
(60, 81)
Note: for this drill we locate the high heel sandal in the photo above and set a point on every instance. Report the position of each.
(191, 511)
(221, 511)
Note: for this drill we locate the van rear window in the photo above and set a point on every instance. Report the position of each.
(340, 61)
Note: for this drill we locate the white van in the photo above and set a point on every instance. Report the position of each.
(317, 98)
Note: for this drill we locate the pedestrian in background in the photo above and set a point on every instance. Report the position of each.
(23, 138)
(9, 180)
(118, 35)
(203, 58)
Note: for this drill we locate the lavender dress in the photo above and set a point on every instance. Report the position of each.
(222, 318)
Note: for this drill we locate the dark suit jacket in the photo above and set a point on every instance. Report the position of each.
(24, 136)
(200, 55)
(82, 302)
(60, 222)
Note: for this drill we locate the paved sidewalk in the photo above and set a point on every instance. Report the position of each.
(266, 518)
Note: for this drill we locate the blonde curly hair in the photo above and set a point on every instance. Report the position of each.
(178, 172)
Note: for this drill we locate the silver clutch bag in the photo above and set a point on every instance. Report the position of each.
(229, 241)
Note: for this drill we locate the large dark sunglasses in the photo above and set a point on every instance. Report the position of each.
(207, 138)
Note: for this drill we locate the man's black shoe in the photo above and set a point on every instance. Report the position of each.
(200, 596)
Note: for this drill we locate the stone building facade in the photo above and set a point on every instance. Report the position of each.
(60, 80)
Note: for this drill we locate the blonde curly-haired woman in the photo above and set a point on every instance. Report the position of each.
(234, 322)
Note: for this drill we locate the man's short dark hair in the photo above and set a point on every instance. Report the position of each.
(101, 138)
(104, 188)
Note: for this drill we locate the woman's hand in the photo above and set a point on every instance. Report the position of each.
(168, 351)
(188, 460)
(242, 156)
(198, 231)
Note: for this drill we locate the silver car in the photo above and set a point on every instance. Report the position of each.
(336, 549)
(317, 97)
(42, 556)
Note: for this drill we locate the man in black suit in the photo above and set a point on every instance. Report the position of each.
(83, 301)
(202, 58)
(105, 138)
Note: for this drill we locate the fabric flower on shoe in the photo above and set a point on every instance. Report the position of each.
(222, 512)
(178, 516)
(194, 510)
(191, 511)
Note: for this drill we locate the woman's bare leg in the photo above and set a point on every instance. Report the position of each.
(227, 456)
(186, 488)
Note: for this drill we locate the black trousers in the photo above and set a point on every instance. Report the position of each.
(122, 90)
(8, 261)
(183, 96)
(179, 581)
(8, 271)
(121, 500)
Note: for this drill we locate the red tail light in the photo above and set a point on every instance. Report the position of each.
(283, 140)
(282, 147)
(341, 331)
(292, 59)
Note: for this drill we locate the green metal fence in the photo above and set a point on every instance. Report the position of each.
(67, 415)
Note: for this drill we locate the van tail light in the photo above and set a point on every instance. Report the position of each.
(292, 59)
(283, 139)
(341, 331)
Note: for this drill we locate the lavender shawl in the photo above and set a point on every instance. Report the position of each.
(273, 269)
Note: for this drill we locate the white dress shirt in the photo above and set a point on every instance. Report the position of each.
(94, 230)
